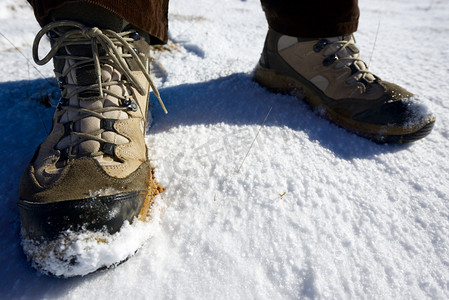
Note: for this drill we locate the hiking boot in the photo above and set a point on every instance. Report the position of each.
(92, 172)
(329, 74)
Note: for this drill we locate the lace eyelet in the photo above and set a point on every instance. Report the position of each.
(64, 154)
(320, 45)
(108, 124)
(68, 128)
(62, 102)
(330, 60)
(108, 148)
(135, 36)
(127, 102)
(354, 69)
(62, 81)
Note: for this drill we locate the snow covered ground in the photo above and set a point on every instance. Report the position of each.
(314, 212)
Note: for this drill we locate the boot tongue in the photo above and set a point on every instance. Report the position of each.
(85, 74)
(90, 15)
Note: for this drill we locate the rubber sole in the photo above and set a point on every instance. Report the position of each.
(306, 91)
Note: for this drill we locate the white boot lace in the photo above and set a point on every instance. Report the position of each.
(117, 48)
(343, 52)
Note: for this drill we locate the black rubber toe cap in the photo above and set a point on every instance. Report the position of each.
(47, 220)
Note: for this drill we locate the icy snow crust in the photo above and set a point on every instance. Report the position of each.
(314, 212)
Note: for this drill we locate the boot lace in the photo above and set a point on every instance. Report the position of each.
(107, 47)
(343, 52)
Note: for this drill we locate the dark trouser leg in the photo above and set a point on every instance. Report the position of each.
(148, 15)
(305, 18)
(312, 19)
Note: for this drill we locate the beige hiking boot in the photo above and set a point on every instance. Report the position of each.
(92, 172)
(331, 77)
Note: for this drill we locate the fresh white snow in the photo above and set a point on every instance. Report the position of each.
(314, 212)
